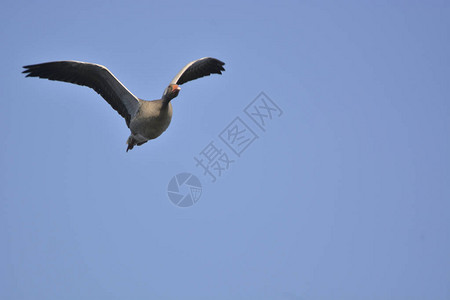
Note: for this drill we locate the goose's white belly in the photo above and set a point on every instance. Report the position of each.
(151, 120)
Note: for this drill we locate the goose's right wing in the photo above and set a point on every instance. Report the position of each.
(94, 76)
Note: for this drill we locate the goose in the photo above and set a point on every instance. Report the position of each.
(146, 120)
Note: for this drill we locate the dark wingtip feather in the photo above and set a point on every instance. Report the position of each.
(29, 70)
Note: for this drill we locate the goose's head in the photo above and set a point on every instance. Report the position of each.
(171, 91)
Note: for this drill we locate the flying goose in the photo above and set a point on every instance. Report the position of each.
(146, 119)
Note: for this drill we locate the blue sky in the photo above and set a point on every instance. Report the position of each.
(344, 196)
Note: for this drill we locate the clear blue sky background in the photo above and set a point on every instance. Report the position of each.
(345, 196)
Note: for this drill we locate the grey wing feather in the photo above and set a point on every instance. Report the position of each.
(197, 69)
(94, 76)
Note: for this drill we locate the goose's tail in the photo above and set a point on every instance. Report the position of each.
(131, 142)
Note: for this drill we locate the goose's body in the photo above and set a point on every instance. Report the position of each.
(151, 120)
(146, 119)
